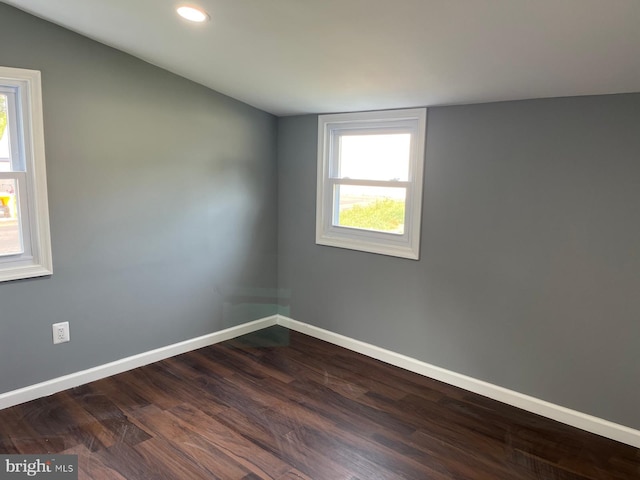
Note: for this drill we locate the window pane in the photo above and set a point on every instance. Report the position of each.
(10, 238)
(5, 160)
(375, 157)
(379, 209)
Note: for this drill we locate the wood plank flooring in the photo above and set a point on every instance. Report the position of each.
(282, 405)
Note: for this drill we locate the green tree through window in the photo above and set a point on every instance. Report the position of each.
(385, 215)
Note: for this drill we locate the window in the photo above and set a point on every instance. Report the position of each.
(25, 245)
(370, 175)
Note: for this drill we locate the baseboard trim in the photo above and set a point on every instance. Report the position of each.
(65, 382)
(561, 414)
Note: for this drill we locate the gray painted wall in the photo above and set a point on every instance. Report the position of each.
(164, 213)
(530, 257)
(162, 201)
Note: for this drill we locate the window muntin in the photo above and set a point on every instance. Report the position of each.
(25, 246)
(370, 181)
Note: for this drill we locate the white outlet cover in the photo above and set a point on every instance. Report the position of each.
(60, 332)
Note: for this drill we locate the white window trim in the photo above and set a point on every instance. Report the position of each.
(37, 259)
(329, 126)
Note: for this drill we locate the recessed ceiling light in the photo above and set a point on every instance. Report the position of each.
(193, 14)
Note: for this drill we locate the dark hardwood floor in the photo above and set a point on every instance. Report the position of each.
(281, 405)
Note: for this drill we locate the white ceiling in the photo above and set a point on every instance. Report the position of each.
(315, 56)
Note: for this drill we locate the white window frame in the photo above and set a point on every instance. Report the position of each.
(29, 172)
(330, 127)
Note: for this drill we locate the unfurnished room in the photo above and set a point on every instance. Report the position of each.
(320, 240)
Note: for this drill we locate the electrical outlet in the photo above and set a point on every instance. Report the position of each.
(60, 332)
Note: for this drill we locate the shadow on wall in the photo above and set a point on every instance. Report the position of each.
(243, 303)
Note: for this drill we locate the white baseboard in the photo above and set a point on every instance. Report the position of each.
(59, 384)
(564, 415)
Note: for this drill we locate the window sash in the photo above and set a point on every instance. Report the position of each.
(336, 131)
(16, 124)
(369, 183)
(333, 206)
